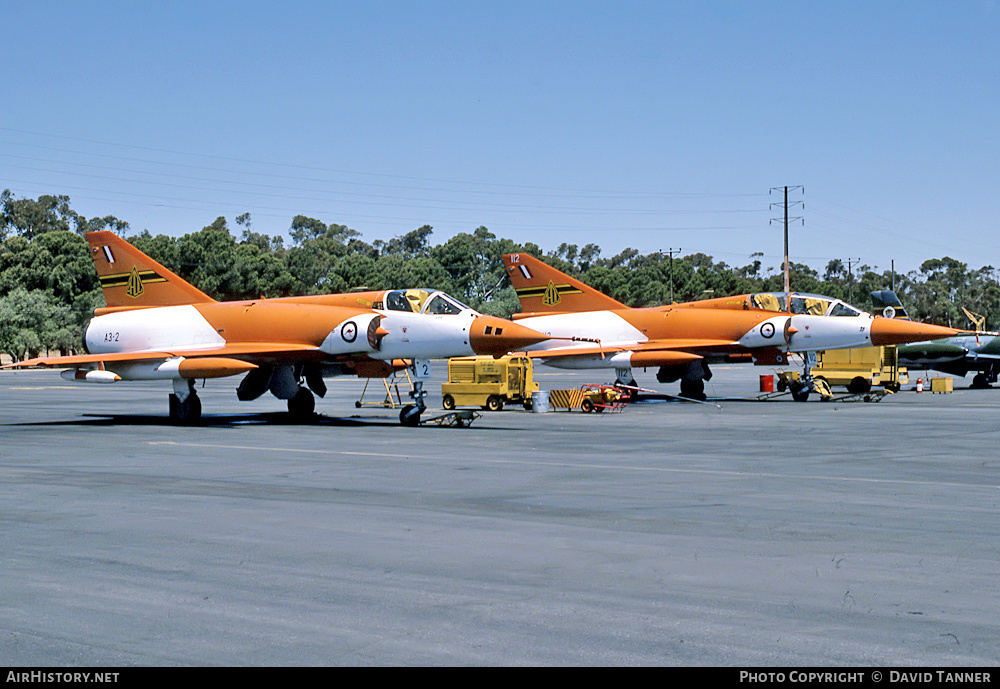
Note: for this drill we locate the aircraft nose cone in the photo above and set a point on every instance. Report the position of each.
(496, 336)
(890, 331)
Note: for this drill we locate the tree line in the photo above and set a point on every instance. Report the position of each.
(49, 289)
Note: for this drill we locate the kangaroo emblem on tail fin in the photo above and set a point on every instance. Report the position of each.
(542, 289)
(134, 287)
(551, 296)
(132, 279)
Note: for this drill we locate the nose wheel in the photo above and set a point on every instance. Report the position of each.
(410, 415)
(801, 388)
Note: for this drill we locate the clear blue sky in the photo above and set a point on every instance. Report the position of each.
(651, 125)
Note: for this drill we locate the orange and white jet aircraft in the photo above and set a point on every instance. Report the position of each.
(682, 339)
(156, 326)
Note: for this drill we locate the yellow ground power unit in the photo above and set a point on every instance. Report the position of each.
(483, 381)
(861, 368)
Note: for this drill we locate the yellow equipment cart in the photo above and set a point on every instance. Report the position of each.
(483, 381)
(860, 369)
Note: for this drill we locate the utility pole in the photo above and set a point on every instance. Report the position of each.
(671, 253)
(850, 280)
(786, 206)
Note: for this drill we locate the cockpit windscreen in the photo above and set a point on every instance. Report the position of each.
(807, 304)
(423, 301)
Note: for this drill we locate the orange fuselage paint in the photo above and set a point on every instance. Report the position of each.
(696, 324)
(275, 320)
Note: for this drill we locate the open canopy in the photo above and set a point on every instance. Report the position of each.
(809, 304)
(423, 301)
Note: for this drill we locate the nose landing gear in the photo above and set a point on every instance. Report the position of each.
(420, 370)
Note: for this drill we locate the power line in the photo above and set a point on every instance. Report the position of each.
(246, 161)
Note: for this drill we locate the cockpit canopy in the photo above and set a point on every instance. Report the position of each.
(423, 301)
(808, 304)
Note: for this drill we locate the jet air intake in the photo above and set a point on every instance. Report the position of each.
(774, 332)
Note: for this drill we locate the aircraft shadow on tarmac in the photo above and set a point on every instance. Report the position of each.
(235, 421)
(212, 420)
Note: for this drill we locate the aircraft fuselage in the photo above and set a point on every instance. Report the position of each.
(329, 329)
(732, 332)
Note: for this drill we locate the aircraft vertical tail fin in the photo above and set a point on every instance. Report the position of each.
(132, 279)
(888, 304)
(543, 289)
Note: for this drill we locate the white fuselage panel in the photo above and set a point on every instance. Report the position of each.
(425, 336)
(166, 327)
(810, 333)
(608, 327)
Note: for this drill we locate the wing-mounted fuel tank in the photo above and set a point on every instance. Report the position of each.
(83, 375)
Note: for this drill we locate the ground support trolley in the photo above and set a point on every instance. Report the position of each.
(461, 419)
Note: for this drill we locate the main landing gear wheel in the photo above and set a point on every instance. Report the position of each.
(302, 405)
(693, 389)
(186, 412)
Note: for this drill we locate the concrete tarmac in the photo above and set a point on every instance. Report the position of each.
(736, 533)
